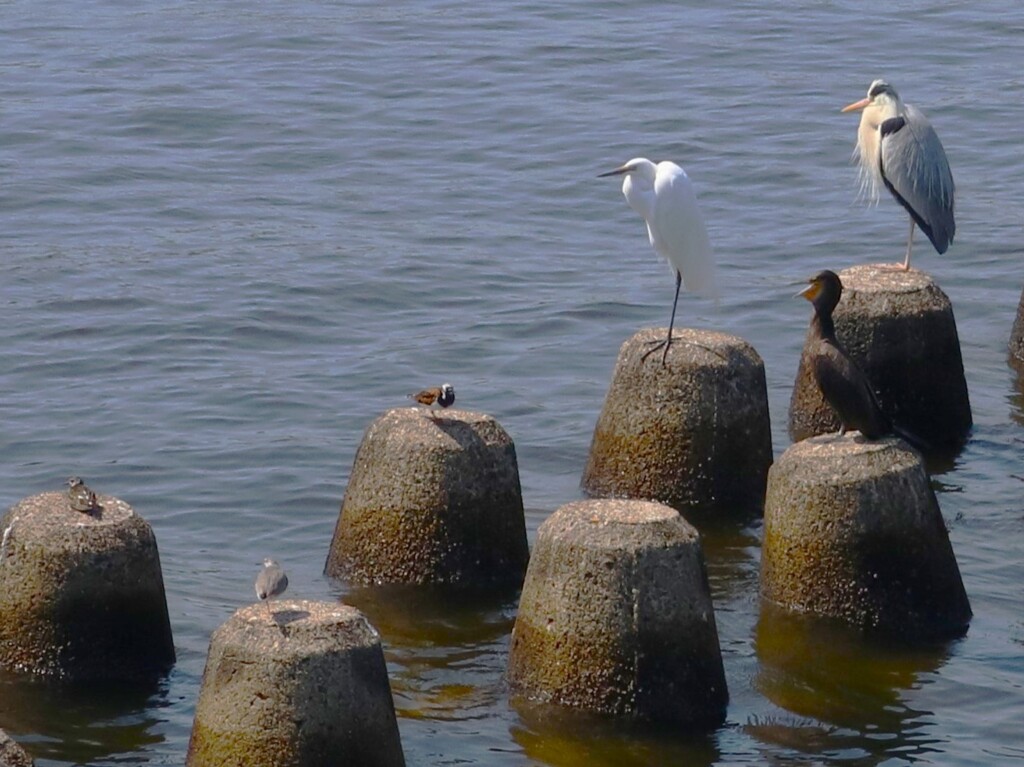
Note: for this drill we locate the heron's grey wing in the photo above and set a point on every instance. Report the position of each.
(915, 169)
(679, 234)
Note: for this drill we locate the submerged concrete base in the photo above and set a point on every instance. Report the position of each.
(899, 327)
(852, 530)
(81, 594)
(11, 754)
(296, 683)
(616, 617)
(433, 498)
(693, 433)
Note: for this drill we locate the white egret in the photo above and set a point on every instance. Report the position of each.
(898, 148)
(664, 196)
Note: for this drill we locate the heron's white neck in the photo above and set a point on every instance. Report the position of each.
(882, 109)
(868, 143)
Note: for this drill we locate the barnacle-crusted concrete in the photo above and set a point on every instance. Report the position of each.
(616, 617)
(1017, 337)
(899, 327)
(296, 683)
(11, 754)
(693, 433)
(81, 594)
(852, 530)
(432, 498)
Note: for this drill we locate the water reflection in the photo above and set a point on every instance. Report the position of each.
(80, 724)
(731, 552)
(848, 689)
(446, 648)
(551, 735)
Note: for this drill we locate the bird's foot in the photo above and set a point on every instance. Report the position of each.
(897, 267)
(655, 345)
(668, 342)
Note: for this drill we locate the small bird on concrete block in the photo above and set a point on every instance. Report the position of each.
(80, 497)
(443, 395)
(271, 582)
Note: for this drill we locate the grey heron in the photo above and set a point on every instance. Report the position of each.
(898, 148)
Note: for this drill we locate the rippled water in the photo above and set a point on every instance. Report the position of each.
(234, 234)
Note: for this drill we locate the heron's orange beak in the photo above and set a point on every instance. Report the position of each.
(856, 105)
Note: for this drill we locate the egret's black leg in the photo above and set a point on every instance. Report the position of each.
(671, 323)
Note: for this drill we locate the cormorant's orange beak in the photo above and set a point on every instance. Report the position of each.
(810, 292)
(856, 105)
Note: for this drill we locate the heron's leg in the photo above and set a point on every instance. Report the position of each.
(671, 323)
(910, 245)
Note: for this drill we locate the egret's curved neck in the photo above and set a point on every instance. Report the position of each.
(639, 193)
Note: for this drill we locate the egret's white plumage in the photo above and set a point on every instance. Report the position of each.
(897, 148)
(663, 195)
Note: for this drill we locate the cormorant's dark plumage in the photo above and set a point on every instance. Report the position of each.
(842, 382)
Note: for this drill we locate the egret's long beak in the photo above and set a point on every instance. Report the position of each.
(617, 172)
(856, 105)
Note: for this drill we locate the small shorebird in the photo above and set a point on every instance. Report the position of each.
(443, 395)
(80, 497)
(271, 582)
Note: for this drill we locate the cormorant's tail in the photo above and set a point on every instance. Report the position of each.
(920, 443)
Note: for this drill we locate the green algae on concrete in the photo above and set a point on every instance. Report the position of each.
(616, 617)
(432, 498)
(296, 683)
(82, 594)
(693, 433)
(853, 531)
(899, 327)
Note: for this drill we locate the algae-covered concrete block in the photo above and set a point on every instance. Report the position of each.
(296, 683)
(852, 531)
(693, 433)
(432, 498)
(616, 617)
(82, 594)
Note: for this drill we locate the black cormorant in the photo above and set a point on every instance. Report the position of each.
(842, 382)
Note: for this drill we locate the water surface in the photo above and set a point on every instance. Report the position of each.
(232, 235)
